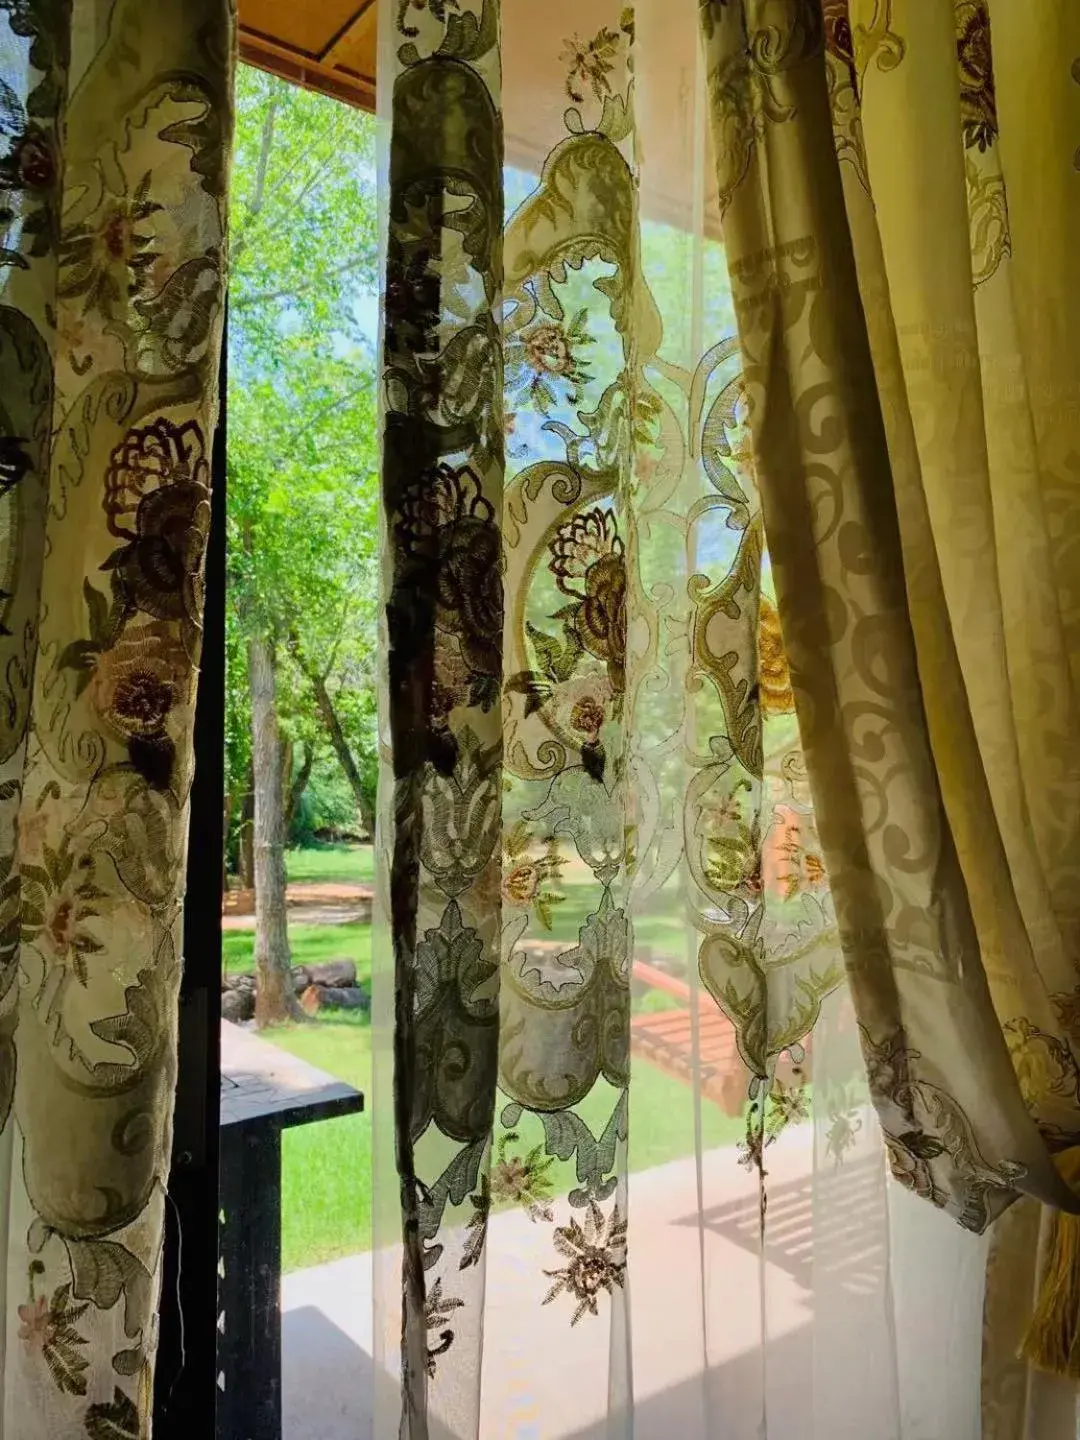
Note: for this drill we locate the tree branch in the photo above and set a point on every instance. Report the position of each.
(259, 193)
(328, 715)
(240, 303)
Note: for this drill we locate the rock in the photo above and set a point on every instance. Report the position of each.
(340, 974)
(237, 1005)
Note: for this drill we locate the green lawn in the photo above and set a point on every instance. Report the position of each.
(326, 1168)
(310, 945)
(324, 863)
(326, 1180)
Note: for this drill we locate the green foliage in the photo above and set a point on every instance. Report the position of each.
(302, 414)
(326, 804)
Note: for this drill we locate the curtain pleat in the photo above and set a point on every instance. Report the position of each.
(633, 1182)
(116, 132)
(896, 180)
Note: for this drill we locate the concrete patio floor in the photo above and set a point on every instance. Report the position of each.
(725, 1343)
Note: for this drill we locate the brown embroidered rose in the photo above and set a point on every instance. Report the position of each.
(157, 497)
(32, 160)
(978, 103)
(448, 526)
(522, 884)
(139, 680)
(588, 565)
(587, 716)
(839, 41)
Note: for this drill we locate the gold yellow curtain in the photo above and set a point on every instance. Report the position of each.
(901, 194)
(115, 120)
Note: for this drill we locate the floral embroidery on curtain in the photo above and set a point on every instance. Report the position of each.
(116, 126)
(590, 714)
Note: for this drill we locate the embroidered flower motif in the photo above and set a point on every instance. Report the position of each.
(138, 680)
(105, 258)
(48, 1330)
(543, 367)
(32, 162)
(527, 877)
(839, 41)
(587, 716)
(596, 1259)
(36, 1327)
(978, 104)
(59, 897)
(523, 1179)
(447, 524)
(412, 299)
(732, 861)
(804, 867)
(157, 498)
(589, 566)
(590, 64)
(522, 883)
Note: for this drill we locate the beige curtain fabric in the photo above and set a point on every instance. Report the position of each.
(627, 1178)
(900, 193)
(114, 127)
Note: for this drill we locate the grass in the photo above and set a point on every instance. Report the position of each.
(326, 1168)
(310, 945)
(328, 863)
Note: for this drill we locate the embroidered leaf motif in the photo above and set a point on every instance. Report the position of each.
(116, 1420)
(61, 1343)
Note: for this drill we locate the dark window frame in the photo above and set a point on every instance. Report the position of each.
(185, 1384)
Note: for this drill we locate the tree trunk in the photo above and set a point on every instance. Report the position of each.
(245, 857)
(275, 1000)
(329, 716)
(226, 821)
(298, 783)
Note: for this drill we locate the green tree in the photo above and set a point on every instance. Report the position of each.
(302, 471)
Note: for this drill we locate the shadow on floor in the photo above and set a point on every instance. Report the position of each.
(827, 1221)
(327, 1382)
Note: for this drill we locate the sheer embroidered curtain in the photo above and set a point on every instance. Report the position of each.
(628, 1178)
(899, 182)
(114, 133)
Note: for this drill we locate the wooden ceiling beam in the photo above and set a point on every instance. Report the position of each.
(312, 72)
(347, 38)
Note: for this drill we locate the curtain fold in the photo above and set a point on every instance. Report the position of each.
(897, 180)
(633, 1182)
(115, 131)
